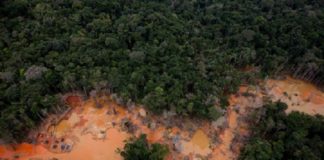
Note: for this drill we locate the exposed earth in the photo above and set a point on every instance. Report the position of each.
(95, 128)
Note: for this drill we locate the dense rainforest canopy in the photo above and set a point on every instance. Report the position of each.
(185, 55)
(294, 136)
(140, 149)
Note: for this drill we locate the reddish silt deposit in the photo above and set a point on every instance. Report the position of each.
(299, 95)
(89, 131)
(73, 100)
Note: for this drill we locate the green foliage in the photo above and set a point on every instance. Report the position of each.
(140, 149)
(164, 54)
(281, 136)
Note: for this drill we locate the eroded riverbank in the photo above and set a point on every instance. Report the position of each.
(95, 128)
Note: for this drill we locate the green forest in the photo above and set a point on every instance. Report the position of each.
(140, 149)
(186, 55)
(294, 136)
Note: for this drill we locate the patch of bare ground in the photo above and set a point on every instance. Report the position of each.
(93, 129)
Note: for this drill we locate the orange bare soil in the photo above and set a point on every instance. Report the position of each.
(299, 95)
(73, 100)
(91, 133)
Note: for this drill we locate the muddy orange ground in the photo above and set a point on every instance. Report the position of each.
(94, 137)
(299, 95)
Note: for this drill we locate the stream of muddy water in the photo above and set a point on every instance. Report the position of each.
(94, 129)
